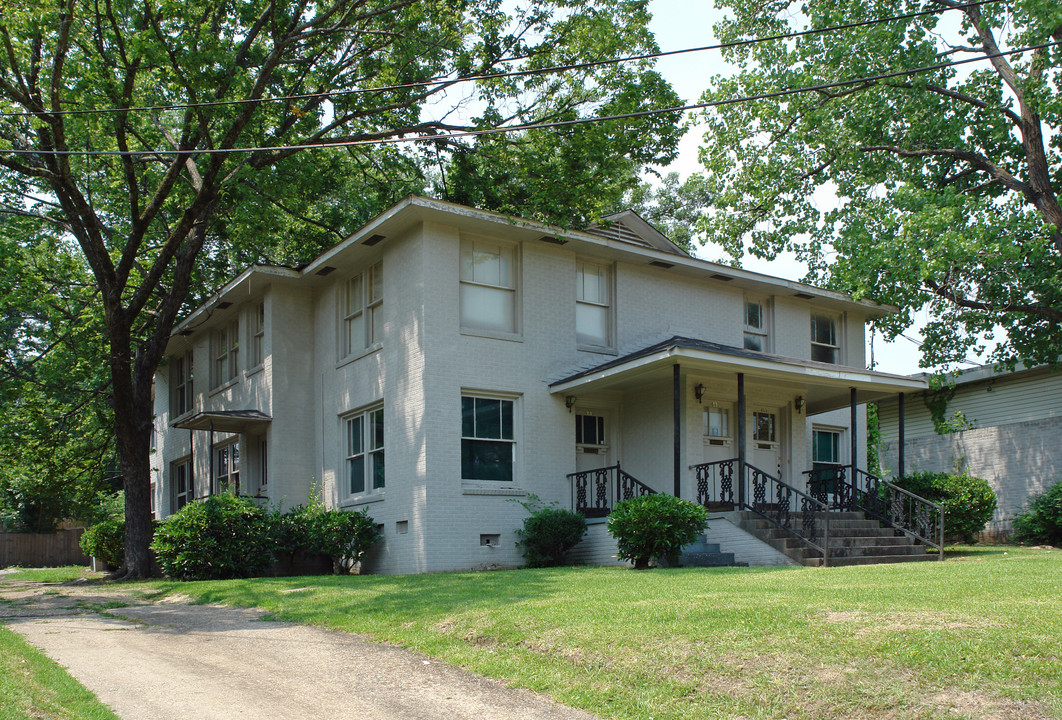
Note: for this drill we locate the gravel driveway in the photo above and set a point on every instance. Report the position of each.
(174, 661)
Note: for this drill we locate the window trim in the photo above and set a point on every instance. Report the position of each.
(257, 335)
(764, 329)
(367, 450)
(514, 290)
(229, 360)
(233, 457)
(514, 441)
(189, 493)
(609, 285)
(186, 380)
(837, 322)
(369, 310)
(839, 433)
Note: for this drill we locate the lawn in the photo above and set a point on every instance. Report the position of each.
(978, 636)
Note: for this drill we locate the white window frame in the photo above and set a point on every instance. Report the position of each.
(761, 331)
(263, 466)
(181, 469)
(835, 346)
(258, 334)
(472, 434)
(774, 429)
(365, 449)
(182, 380)
(602, 302)
(227, 466)
(839, 433)
(725, 412)
(504, 288)
(225, 354)
(361, 311)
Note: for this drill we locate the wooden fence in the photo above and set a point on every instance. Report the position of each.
(31, 550)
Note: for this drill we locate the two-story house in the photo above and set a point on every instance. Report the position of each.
(443, 361)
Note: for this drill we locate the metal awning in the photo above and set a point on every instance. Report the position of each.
(826, 386)
(225, 421)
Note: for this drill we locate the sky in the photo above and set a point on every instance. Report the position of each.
(681, 24)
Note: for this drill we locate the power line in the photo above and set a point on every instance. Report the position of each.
(449, 80)
(401, 139)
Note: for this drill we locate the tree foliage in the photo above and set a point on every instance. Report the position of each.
(203, 113)
(947, 181)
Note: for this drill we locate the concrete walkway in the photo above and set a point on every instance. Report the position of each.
(174, 661)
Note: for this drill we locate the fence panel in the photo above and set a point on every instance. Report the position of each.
(33, 550)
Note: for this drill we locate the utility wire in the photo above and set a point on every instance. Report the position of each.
(400, 139)
(450, 80)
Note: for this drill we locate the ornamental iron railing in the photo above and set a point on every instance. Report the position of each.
(595, 492)
(881, 500)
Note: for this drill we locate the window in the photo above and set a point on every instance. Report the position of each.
(593, 316)
(488, 447)
(717, 422)
(226, 352)
(488, 286)
(181, 481)
(227, 468)
(263, 467)
(590, 430)
(181, 381)
(825, 448)
(756, 326)
(824, 346)
(365, 452)
(258, 335)
(763, 427)
(154, 507)
(362, 311)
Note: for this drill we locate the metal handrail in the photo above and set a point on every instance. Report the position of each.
(595, 492)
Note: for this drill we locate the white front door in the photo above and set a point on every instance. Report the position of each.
(592, 447)
(765, 441)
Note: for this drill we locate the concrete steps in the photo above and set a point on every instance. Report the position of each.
(702, 553)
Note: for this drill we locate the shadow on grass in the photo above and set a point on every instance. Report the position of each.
(984, 551)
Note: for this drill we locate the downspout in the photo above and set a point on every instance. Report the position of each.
(855, 443)
(901, 410)
(741, 438)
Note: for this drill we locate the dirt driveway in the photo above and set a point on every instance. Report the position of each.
(203, 662)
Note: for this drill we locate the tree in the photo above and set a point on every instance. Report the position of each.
(203, 112)
(947, 181)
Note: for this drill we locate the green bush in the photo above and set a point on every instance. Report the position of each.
(344, 536)
(1041, 522)
(106, 541)
(655, 526)
(222, 536)
(968, 501)
(549, 533)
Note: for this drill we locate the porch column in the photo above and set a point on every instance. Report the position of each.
(676, 393)
(855, 444)
(900, 408)
(741, 439)
(210, 449)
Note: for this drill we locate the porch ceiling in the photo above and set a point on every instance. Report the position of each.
(824, 386)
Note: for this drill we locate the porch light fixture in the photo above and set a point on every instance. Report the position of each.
(698, 391)
(569, 402)
(799, 404)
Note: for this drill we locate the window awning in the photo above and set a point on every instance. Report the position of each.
(226, 421)
(826, 386)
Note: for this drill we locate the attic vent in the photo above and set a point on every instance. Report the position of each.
(326, 270)
(553, 240)
(224, 305)
(804, 296)
(372, 240)
(661, 264)
(720, 276)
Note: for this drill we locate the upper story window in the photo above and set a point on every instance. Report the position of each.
(181, 399)
(488, 286)
(593, 304)
(824, 344)
(361, 310)
(488, 442)
(225, 349)
(756, 335)
(258, 335)
(364, 452)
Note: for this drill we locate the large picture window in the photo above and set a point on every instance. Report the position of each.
(361, 310)
(488, 444)
(488, 286)
(181, 381)
(364, 452)
(225, 348)
(593, 305)
(824, 345)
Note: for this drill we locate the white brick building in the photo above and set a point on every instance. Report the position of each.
(487, 357)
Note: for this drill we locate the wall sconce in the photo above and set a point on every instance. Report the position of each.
(569, 402)
(698, 391)
(799, 404)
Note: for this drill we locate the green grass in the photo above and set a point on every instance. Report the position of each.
(32, 687)
(979, 636)
(52, 575)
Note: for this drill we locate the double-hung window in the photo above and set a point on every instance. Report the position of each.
(181, 382)
(361, 310)
(825, 449)
(227, 467)
(756, 337)
(488, 286)
(593, 306)
(364, 452)
(258, 335)
(824, 344)
(488, 444)
(181, 482)
(225, 348)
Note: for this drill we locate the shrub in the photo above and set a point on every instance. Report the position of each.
(549, 533)
(655, 526)
(1041, 522)
(344, 536)
(106, 541)
(222, 536)
(968, 501)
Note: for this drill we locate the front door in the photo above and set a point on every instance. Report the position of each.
(592, 447)
(765, 441)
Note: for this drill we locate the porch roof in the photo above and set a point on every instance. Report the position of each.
(225, 421)
(826, 386)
